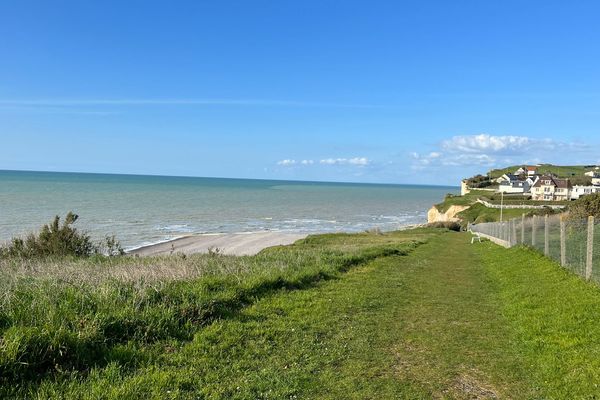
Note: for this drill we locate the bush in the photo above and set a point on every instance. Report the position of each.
(479, 181)
(56, 240)
(451, 225)
(585, 206)
(543, 211)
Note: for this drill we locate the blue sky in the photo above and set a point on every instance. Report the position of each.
(400, 92)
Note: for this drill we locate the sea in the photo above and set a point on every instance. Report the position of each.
(141, 209)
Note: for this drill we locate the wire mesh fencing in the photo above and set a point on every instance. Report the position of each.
(573, 243)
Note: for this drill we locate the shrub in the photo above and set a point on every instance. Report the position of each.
(543, 211)
(451, 225)
(112, 247)
(585, 206)
(56, 240)
(479, 181)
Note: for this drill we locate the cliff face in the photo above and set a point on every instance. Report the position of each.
(434, 215)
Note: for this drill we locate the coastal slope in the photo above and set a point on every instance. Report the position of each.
(412, 314)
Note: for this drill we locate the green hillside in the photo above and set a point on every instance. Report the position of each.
(562, 171)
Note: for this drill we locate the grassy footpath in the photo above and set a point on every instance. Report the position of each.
(445, 319)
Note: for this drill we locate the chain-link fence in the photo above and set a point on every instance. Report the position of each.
(573, 243)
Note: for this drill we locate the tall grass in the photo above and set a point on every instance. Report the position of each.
(67, 314)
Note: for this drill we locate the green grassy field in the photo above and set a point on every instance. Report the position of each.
(411, 314)
(466, 200)
(478, 213)
(562, 171)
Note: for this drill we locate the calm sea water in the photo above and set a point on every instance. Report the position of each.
(141, 210)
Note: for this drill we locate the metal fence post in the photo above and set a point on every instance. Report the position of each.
(523, 228)
(533, 231)
(590, 248)
(563, 242)
(514, 233)
(546, 236)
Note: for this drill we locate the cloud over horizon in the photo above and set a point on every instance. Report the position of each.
(484, 150)
(353, 161)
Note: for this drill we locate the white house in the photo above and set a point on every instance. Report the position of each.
(579, 190)
(507, 178)
(596, 181)
(592, 174)
(531, 170)
(514, 186)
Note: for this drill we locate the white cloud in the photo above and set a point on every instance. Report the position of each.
(287, 162)
(359, 161)
(353, 161)
(486, 143)
(484, 150)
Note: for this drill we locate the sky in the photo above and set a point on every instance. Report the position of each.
(422, 92)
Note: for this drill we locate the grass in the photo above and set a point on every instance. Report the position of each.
(66, 317)
(496, 198)
(411, 314)
(480, 213)
(466, 200)
(564, 171)
(552, 312)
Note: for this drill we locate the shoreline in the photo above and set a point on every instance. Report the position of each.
(237, 244)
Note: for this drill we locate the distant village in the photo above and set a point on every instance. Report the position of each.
(527, 182)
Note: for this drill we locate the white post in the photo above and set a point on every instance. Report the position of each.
(523, 228)
(590, 248)
(563, 242)
(546, 236)
(533, 231)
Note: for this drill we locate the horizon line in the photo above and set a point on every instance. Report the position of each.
(231, 178)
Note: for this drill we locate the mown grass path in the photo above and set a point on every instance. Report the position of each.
(449, 320)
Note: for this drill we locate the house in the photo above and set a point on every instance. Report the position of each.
(532, 180)
(592, 174)
(580, 190)
(550, 188)
(531, 170)
(596, 181)
(510, 183)
(507, 178)
(514, 187)
(520, 171)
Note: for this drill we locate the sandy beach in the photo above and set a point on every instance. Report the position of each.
(239, 244)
